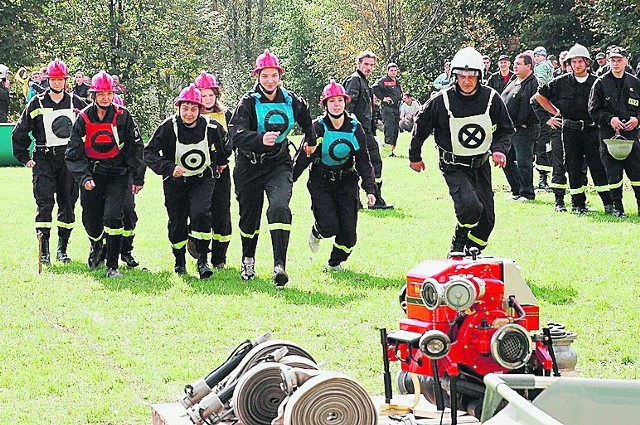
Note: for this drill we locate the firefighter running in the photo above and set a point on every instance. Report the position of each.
(187, 149)
(470, 123)
(259, 129)
(333, 179)
(49, 118)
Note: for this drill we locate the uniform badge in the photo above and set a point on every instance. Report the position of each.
(633, 102)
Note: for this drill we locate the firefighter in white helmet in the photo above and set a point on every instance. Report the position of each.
(470, 123)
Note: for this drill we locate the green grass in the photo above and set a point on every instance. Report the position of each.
(77, 348)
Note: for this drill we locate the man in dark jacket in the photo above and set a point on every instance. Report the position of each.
(614, 105)
(470, 123)
(499, 80)
(388, 90)
(517, 97)
(357, 87)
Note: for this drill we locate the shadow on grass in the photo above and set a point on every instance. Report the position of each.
(365, 281)
(391, 213)
(554, 294)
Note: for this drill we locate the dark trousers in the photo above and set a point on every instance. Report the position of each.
(581, 146)
(520, 176)
(391, 120)
(221, 218)
(374, 155)
(129, 220)
(52, 182)
(273, 177)
(188, 200)
(335, 209)
(543, 149)
(559, 174)
(472, 195)
(102, 212)
(614, 169)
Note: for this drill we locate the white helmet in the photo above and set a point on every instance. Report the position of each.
(467, 59)
(578, 50)
(3, 71)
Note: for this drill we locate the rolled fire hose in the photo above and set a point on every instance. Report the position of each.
(259, 352)
(259, 392)
(328, 398)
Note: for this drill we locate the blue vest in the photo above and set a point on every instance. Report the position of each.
(275, 116)
(338, 147)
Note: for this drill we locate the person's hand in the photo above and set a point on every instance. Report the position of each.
(371, 199)
(631, 124)
(499, 159)
(387, 99)
(554, 122)
(616, 124)
(221, 168)
(309, 150)
(417, 166)
(135, 189)
(89, 185)
(30, 163)
(178, 171)
(269, 138)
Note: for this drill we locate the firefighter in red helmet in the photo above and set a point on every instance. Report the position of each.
(49, 118)
(333, 180)
(187, 149)
(103, 150)
(259, 128)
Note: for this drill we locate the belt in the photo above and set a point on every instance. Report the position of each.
(465, 161)
(579, 125)
(334, 175)
(259, 158)
(55, 150)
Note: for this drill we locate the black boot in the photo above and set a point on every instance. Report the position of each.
(618, 209)
(380, 202)
(95, 255)
(560, 205)
(543, 184)
(181, 264)
(45, 255)
(203, 267)
(459, 241)
(113, 247)
(126, 252)
(61, 254)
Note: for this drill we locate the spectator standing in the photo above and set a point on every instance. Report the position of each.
(486, 60)
(408, 111)
(80, 88)
(443, 81)
(499, 80)
(4, 93)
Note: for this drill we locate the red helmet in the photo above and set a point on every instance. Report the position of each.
(102, 82)
(190, 94)
(57, 69)
(333, 89)
(117, 100)
(206, 81)
(267, 60)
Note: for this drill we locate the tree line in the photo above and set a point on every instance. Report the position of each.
(159, 47)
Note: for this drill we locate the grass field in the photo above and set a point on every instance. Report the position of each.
(77, 348)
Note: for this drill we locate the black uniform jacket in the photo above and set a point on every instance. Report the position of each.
(612, 97)
(129, 159)
(357, 86)
(160, 152)
(243, 127)
(569, 96)
(386, 87)
(434, 118)
(4, 104)
(360, 157)
(497, 83)
(31, 121)
(517, 96)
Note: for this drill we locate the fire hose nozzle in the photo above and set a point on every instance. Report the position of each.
(262, 338)
(206, 410)
(278, 354)
(193, 393)
(292, 378)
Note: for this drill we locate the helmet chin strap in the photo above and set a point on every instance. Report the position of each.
(335, 116)
(269, 92)
(104, 108)
(55, 91)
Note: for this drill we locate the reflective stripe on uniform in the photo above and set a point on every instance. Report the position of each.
(343, 248)
(249, 235)
(113, 232)
(635, 183)
(468, 226)
(604, 188)
(577, 190)
(96, 239)
(44, 224)
(558, 186)
(546, 168)
(615, 185)
(65, 225)
(203, 236)
(39, 111)
(128, 233)
(378, 180)
(477, 240)
(280, 226)
(220, 238)
(179, 245)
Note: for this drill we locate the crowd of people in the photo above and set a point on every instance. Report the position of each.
(559, 116)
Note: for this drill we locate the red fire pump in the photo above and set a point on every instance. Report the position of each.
(466, 317)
